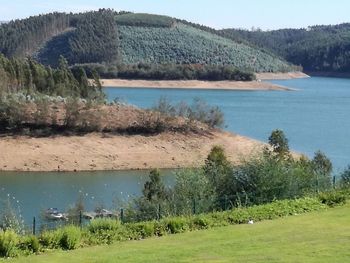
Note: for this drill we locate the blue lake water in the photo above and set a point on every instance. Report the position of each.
(31, 193)
(316, 117)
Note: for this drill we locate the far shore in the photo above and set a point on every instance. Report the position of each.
(213, 85)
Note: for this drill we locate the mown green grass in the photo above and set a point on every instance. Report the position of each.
(314, 237)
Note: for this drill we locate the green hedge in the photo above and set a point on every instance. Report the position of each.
(108, 231)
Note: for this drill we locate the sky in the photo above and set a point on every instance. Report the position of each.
(264, 14)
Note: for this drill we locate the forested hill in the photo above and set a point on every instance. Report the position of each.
(316, 49)
(110, 40)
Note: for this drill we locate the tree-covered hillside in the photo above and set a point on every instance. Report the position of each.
(184, 44)
(21, 38)
(316, 49)
(93, 37)
(126, 40)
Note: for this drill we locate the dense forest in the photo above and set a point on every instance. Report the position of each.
(29, 77)
(20, 38)
(316, 49)
(168, 72)
(120, 42)
(123, 43)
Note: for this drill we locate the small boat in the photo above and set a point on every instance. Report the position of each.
(104, 213)
(54, 214)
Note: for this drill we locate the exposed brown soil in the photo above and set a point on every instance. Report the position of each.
(98, 151)
(192, 84)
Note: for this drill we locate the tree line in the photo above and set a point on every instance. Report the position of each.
(220, 185)
(316, 49)
(28, 76)
(20, 38)
(169, 71)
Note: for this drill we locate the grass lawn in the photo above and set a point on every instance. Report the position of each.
(315, 237)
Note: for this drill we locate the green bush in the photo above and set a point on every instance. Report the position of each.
(141, 230)
(71, 237)
(8, 243)
(177, 224)
(30, 244)
(51, 239)
(99, 225)
(332, 198)
(202, 222)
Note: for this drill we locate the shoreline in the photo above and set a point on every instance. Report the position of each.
(192, 84)
(106, 152)
(282, 76)
(257, 85)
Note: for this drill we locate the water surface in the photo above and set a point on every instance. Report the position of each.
(316, 117)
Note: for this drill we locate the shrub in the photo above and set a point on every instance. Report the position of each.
(177, 224)
(51, 239)
(202, 222)
(8, 243)
(141, 230)
(345, 178)
(30, 244)
(99, 225)
(71, 237)
(332, 198)
(106, 231)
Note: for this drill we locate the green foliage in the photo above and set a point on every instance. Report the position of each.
(91, 37)
(154, 189)
(10, 219)
(199, 110)
(30, 77)
(51, 239)
(182, 44)
(176, 72)
(279, 143)
(216, 168)
(8, 243)
(98, 225)
(316, 49)
(177, 224)
(70, 239)
(322, 167)
(30, 244)
(144, 20)
(105, 231)
(345, 178)
(19, 38)
(191, 188)
(141, 230)
(204, 222)
(332, 198)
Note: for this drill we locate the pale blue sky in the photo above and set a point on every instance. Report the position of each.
(266, 14)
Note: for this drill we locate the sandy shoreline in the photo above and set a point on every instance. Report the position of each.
(192, 84)
(198, 84)
(281, 76)
(98, 152)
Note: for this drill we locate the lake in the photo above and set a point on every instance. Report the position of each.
(31, 192)
(314, 117)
